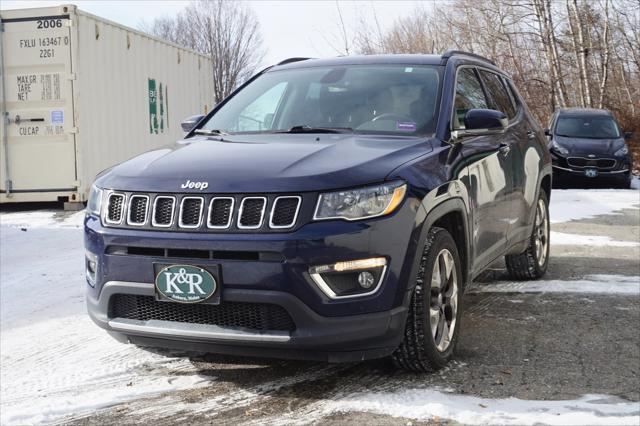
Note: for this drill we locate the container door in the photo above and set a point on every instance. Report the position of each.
(40, 154)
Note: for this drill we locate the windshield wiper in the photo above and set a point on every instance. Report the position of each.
(210, 132)
(308, 129)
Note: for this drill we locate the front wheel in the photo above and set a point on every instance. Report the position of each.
(431, 331)
(533, 262)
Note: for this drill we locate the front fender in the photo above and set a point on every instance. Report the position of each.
(446, 199)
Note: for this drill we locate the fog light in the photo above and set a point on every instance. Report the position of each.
(91, 268)
(352, 278)
(366, 279)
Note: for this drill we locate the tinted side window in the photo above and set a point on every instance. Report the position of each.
(500, 99)
(469, 95)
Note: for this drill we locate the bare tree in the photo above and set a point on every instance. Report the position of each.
(571, 53)
(226, 30)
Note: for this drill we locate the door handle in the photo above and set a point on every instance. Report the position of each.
(504, 148)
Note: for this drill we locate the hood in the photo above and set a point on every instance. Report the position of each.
(267, 163)
(586, 146)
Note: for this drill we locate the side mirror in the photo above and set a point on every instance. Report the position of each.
(628, 135)
(190, 122)
(479, 122)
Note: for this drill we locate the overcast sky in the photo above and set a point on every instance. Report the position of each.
(289, 28)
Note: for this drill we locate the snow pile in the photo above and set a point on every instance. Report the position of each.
(635, 182)
(560, 238)
(425, 404)
(605, 284)
(575, 204)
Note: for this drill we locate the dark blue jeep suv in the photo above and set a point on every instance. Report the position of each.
(328, 209)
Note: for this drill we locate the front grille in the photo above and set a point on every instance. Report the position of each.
(284, 212)
(253, 316)
(207, 212)
(599, 163)
(606, 163)
(138, 209)
(251, 212)
(191, 212)
(115, 208)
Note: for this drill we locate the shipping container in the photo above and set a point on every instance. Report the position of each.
(80, 94)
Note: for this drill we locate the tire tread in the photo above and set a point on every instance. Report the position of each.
(410, 355)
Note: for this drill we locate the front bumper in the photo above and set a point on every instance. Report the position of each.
(346, 338)
(364, 327)
(562, 166)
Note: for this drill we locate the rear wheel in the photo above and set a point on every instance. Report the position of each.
(431, 332)
(533, 262)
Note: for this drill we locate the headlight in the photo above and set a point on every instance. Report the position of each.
(622, 151)
(95, 201)
(360, 203)
(559, 148)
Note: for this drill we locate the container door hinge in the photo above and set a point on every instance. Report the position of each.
(71, 76)
(73, 130)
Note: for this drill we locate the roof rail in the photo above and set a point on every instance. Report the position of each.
(290, 60)
(451, 52)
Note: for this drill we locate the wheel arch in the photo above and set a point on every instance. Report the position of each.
(450, 214)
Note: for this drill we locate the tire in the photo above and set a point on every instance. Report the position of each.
(421, 350)
(627, 181)
(533, 262)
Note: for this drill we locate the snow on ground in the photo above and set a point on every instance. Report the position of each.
(43, 219)
(602, 284)
(425, 404)
(560, 238)
(56, 362)
(575, 204)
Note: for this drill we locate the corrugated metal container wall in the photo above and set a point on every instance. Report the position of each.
(130, 92)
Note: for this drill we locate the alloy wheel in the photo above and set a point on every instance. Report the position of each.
(443, 306)
(541, 233)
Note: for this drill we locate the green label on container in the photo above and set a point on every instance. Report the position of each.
(158, 111)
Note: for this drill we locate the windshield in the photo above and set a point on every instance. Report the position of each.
(389, 99)
(588, 127)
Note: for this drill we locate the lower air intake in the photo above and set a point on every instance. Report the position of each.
(252, 316)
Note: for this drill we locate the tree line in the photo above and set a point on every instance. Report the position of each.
(560, 53)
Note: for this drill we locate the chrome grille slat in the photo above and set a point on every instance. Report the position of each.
(284, 212)
(191, 212)
(220, 212)
(137, 210)
(251, 213)
(115, 208)
(164, 208)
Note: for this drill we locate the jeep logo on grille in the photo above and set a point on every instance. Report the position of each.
(195, 185)
(186, 284)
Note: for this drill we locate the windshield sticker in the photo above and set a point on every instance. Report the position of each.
(406, 126)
